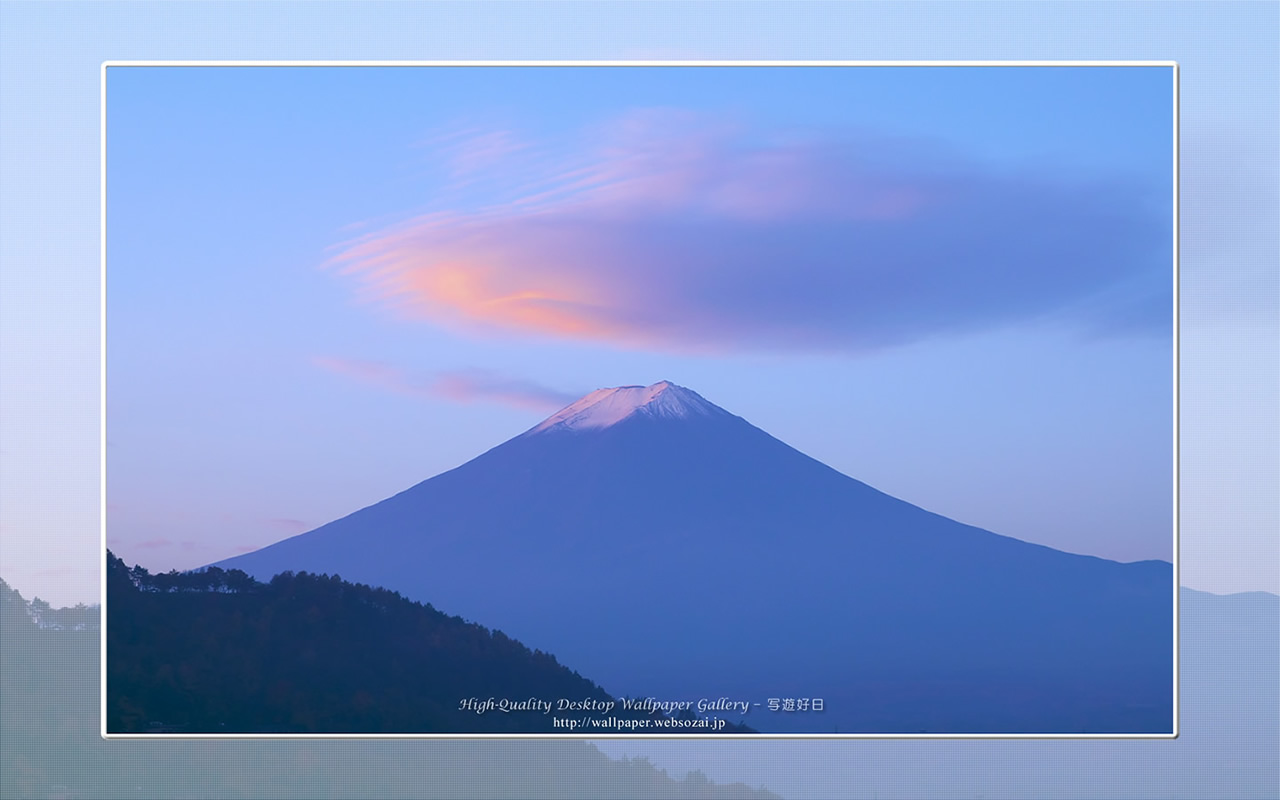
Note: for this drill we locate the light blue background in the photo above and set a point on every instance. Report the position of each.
(49, 84)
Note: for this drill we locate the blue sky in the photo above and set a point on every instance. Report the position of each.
(326, 284)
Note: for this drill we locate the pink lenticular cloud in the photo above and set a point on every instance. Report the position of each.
(669, 230)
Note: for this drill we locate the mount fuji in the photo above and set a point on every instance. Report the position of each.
(667, 548)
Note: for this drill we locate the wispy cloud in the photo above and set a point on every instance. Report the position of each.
(376, 373)
(465, 151)
(668, 229)
(481, 149)
(460, 386)
(474, 385)
(186, 545)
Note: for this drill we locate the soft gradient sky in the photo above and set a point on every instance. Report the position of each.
(50, 543)
(327, 284)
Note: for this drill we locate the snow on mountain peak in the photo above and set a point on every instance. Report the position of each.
(605, 407)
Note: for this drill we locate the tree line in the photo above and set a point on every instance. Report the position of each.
(216, 651)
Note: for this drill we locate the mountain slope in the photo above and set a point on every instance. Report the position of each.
(650, 518)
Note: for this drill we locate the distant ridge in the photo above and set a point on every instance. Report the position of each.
(1196, 593)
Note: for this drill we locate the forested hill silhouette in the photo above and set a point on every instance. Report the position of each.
(50, 745)
(217, 652)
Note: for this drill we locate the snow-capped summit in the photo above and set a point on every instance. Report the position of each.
(606, 407)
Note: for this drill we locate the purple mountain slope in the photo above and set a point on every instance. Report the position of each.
(664, 547)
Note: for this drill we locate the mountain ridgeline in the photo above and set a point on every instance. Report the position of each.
(218, 652)
(50, 745)
(667, 547)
